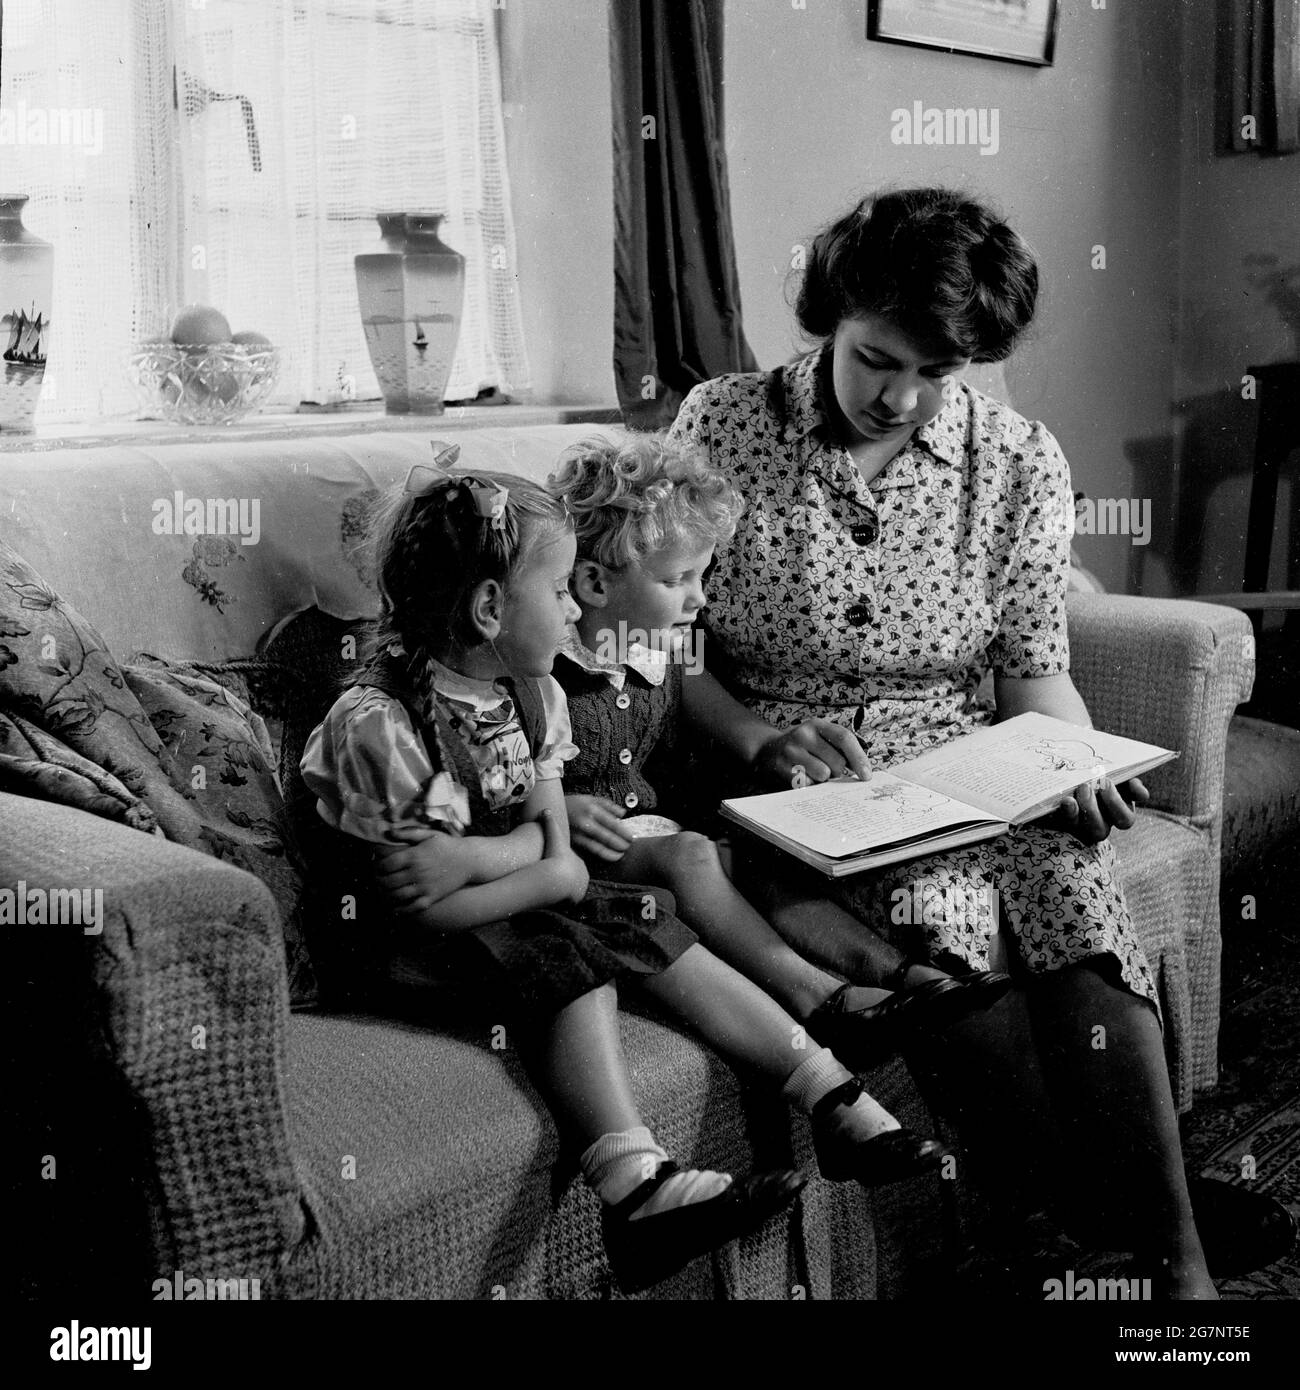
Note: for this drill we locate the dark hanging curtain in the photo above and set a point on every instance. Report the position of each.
(1260, 59)
(677, 315)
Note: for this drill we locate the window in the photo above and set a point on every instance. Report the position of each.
(234, 153)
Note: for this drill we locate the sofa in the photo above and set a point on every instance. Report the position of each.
(339, 1155)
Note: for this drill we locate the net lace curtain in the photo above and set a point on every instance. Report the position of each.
(350, 107)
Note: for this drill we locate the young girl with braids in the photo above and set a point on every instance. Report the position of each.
(441, 769)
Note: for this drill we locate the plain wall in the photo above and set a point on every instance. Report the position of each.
(1088, 156)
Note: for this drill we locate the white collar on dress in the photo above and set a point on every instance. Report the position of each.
(479, 695)
(649, 663)
(466, 690)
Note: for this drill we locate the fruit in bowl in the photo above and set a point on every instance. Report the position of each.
(199, 324)
(197, 329)
(204, 374)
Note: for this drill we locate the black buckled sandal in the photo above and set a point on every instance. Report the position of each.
(990, 985)
(863, 1038)
(1241, 1231)
(645, 1252)
(894, 1156)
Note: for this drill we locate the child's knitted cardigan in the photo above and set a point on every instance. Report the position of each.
(617, 731)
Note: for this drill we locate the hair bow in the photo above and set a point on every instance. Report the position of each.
(489, 498)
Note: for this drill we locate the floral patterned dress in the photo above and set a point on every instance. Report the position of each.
(376, 767)
(373, 771)
(881, 606)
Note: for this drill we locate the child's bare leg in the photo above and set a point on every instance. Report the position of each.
(793, 901)
(855, 1136)
(584, 1073)
(580, 1064)
(750, 1027)
(689, 865)
(583, 1068)
(731, 1012)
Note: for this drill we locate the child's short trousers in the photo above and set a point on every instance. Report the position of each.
(532, 965)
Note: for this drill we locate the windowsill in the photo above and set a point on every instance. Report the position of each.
(304, 425)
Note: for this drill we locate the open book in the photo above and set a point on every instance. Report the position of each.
(974, 788)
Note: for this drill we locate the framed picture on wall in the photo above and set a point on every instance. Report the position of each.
(1016, 31)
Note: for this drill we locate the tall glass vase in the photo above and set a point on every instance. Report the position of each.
(411, 293)
(26, 289)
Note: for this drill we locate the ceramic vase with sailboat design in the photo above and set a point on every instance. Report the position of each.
(411, 289)
(26, 291)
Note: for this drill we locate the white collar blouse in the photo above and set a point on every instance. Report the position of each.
(881, 605)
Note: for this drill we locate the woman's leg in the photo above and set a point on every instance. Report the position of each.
(1031, 1074)
(983, 1076)
(688, 864)
(994, 1074)
(1103, 1055)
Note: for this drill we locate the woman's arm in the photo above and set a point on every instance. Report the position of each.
(1054, 695)
(720, 716)
(817, 746)
(1092, 812)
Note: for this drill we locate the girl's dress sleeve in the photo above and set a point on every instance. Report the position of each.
(1032, 640)
(373, 774)
(558, 745)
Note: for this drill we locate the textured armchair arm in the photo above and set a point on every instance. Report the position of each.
(1168, 671)
(1171, 672)
(189, 976)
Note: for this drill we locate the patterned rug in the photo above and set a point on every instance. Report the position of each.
(1251, 1123)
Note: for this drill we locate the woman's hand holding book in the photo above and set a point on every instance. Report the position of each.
(1094, 810)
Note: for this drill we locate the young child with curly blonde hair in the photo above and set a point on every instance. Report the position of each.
(648, 516)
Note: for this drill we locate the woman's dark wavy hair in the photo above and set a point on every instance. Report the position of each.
(942, 268)
(430, 551)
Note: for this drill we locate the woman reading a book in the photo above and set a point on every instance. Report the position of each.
(903, 534)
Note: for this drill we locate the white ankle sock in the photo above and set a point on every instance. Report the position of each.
(817, 1076)
(618, 1163)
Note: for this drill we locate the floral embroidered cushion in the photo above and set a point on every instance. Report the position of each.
(153, 746)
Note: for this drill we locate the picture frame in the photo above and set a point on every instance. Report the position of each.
(1012, 31)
